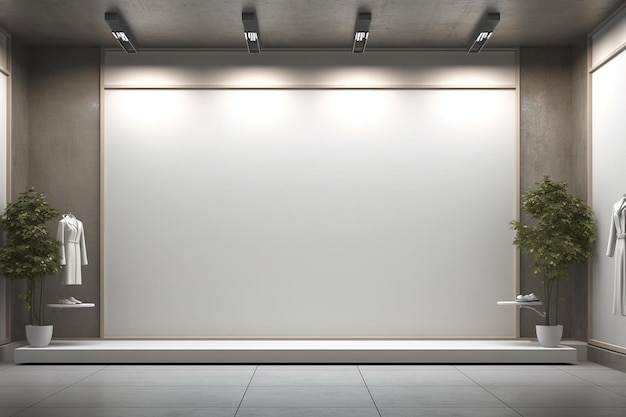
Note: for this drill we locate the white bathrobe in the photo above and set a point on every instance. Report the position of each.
(73, 251)
(617, 248)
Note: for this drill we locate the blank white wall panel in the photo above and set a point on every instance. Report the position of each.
(4, 79)
(309, 213)
(609, 184)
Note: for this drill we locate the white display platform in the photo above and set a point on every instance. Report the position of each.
(81, 305)
(295, 351)
(524, 304)
(520, 303)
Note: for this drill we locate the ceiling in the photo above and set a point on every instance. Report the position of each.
(303, 24)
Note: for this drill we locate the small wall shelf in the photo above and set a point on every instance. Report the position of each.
(524, 304)
(82, 305)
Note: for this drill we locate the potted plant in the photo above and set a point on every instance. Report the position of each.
(31, 254)
(560, 235)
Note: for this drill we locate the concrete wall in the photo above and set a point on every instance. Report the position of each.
(19, 161)
(62, 134)
(56, 149)
(576, 305)
(553, 134)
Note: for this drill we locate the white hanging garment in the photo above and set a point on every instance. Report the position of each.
(617, 248)
(73, 251)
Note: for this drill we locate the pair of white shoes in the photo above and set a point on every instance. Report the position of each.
(70, 301)
(529, 297)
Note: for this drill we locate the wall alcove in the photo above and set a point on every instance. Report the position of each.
(328, 198)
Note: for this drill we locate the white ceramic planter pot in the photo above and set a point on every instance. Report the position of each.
(39, 336)
(549, 336)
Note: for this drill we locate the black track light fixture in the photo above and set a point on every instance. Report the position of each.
(251, 32)
(483, 32)
(121, 32)
(361, 32)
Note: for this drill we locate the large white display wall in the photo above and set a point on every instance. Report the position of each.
(370, 212)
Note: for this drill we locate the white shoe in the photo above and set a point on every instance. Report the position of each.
(66, 301)
(74, 300)
(529, 297)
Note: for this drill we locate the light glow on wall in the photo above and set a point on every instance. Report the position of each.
(308, 213)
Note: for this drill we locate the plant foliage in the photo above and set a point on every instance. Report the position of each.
(561, 235)
(31, 253)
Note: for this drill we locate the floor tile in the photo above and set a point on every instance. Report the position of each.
(25, 396)
(411, 368)
(311, 397)
(585, 365)
(433, 397)
(145, 397)
(571, 412)
(504, 367)
(180, 368)
(16, 377)
(581, 365)
(605, 377)
(301, 368)
(528, 378)
(590, 396)
(425, 378)
(87, 369)
(448, 412)
(128, 412)
(619, 390)
(307, 412)
(8, 412)
(344, 377)
(170, 378)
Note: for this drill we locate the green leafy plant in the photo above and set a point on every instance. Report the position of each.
(561, 235)
(31, 253)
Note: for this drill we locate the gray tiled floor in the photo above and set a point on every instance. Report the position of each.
(587, 389)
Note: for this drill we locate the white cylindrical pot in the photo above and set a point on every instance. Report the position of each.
(39, 336)
(549, 336)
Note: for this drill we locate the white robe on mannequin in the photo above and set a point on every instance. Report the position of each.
(617, 248)
(73, 251)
